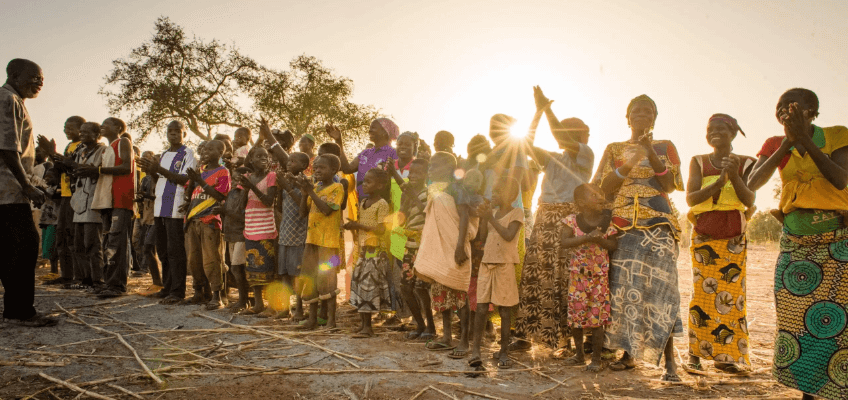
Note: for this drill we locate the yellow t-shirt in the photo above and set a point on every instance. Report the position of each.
(804, 186)
(66, 179)
(324, 229)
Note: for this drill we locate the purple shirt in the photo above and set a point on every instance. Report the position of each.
(368, 159)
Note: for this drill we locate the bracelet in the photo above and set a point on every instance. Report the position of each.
(662, 173)
(276, 144)
(618, 174)
(99, 170)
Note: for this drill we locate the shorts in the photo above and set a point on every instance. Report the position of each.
(318, 273)
(289, 259)
(237, 253)
(407, 276)
(496, 284)
(447, 299)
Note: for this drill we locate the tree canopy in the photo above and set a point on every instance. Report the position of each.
(210, 85)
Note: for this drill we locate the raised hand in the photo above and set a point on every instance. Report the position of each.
(541, 101)
(265, 130)
(333, 132)
(48, 145)
(194, 176)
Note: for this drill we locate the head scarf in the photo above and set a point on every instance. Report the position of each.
(390, 127)
(637, 99)
(730, 121)
(310, 137)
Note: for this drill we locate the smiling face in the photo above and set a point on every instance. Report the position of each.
(109, 129)
(794, 96)
(376, 133)
(642, 116)
(719, 134)
(176, 133)
(417, 175)
(89, 133)
(305, 145)
(241, 137)
(211, 152)
(259, 159)
(72, 130)
(29, 82)
(405, 147)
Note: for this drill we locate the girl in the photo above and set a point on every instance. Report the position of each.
(719, 198)
(591, 236)
(369, 285)
(260, 229)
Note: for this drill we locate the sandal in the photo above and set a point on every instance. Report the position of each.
(109, 294)
(670, 377)
(562, 353)
(170, 300)
(477, 365)
(505, 363)
(426, 337)
(620, 366)
(595, 367)
(36, 321)
(695, 366)
(438, 346)
(730, 368)
(457, 354)
(360, 335)
(573, 361)
(412, 335)
(520, 345)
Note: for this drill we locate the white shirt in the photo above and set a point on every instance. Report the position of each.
(170, 196)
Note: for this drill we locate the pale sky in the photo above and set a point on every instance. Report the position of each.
(451, 65)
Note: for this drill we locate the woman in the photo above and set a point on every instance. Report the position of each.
(719, 198)
(637, 176)
(544, 288)
(810, 351)
(382, 133)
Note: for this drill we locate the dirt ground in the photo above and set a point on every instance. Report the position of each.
(279, 362)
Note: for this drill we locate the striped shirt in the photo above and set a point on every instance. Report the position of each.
(414, 218)
(259, 223)
(201, 203)
(169, 195)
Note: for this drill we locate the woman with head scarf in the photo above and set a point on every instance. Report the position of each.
(721, 204)
(382, 133)
(810, 351)
(637, 175)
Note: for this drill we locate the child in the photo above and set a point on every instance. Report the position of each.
(293, 229)
(416, 293)
(592, 236)
(50, 218)
(233, 229)
(496, 283)
(147, 198)
(334, 149)
(369, 285)
(241, 139)
(260, 229)
(204, 247)
(443, 254)
(322, 203)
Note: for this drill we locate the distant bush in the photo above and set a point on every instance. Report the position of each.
(763, 227)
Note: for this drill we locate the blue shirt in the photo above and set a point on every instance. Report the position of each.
(564, 173)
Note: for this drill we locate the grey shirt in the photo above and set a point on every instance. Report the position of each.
(564, 173)
(15, 135)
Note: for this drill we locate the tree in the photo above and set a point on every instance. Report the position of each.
(763, 227)
(175, 77)
(307, 97)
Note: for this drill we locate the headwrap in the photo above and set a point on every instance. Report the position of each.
(637, 99)
(390, 127)
(730, 121)
(310, 137)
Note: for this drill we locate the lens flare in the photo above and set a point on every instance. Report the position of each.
(459, 173)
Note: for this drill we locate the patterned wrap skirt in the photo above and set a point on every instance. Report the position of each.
(811, 296)
(261, 261)
(645, 298)
(718, 323)
(369, 285)
(543, 283)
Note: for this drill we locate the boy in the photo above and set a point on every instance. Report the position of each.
(293, 228)
(416, 293)
(322, 203)
(445, 246)
(49, 218)
(204, 247)
(241, 139)
(170, 189)
(232, 212)
(496, 283)
(146, 198)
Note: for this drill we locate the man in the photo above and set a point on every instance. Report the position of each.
(24, 80)
(170, 190)
(117, 221)
(65, 228)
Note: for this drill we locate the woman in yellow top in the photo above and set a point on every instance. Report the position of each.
(810, 285)
(719, 199)
(637, 176)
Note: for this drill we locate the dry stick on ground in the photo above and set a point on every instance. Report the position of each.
(540, 373)
(267, 333)
(336, 355)
(417, 395)
(284, 371)
(74, 387)
(26, 363)
(166, 390)
(120, 339)
(89, 383)
(127, 391)
(446, 394)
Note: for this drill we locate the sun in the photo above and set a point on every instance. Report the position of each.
(518, 130)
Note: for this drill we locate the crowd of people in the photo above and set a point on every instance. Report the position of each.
(436, 234)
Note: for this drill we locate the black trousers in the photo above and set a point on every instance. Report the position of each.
(65, 232)
(170, 246)
(117, 224)
(17, 271)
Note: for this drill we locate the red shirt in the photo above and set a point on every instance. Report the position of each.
(123, 186)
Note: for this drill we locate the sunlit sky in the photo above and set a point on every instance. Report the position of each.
(451, 65)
